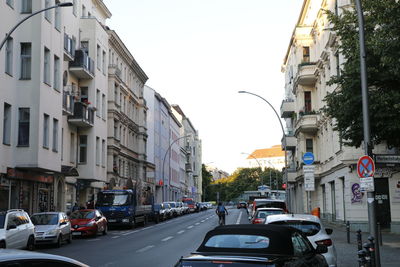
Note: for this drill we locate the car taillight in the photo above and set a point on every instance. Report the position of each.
(257, 221)
(325, 242)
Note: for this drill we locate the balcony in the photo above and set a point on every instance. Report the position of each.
(307, 123)
(82, 66)
(287, 108)
(291, 142)
(188, 167)
(305, 74)
(68, 103)
(69, 48)
(83, 115)
(291, 174)
(114, 70)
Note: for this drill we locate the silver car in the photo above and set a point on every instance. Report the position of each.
(51, 228)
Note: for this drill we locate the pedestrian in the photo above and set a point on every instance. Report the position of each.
(75, 207)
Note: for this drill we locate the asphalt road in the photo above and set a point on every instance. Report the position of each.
(158, 245)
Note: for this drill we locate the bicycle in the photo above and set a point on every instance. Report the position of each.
(221, 220)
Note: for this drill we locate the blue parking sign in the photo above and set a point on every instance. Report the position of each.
(308, 158)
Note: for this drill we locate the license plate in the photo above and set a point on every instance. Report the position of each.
(76, 233)
(112, 220)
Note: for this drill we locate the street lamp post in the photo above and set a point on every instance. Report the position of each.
(284, 141)
(251, 155)
(66, 4)
(165, 156)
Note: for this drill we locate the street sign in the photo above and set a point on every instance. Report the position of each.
(308, 158)
(309, 180)
(367, 184)
(387, 159)
(365, 167)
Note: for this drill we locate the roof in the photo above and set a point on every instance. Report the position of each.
(272, 152)
(294, 217)
(280, 239)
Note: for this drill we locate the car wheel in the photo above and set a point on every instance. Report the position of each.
(59, 241)
(133, 223)
(2, 244)
(157, 220)
(69, 240)
(31, 243)
(105, 230)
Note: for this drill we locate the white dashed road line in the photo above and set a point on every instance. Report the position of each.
(115, 236)
(197, 223)
(180, 232)
(189, 227)
(238, 219)
(128, 233)
(167, 238)
(144, 249)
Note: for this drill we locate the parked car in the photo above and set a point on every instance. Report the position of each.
(186, 209)
(242, 204)
(179, 207)
(160, 213)
(88, 222)
(312, 227)
(256, 246)
(174, 209)
(15, 258)
(168, 210)
(51, 228)
(262, 213)
(16, 230)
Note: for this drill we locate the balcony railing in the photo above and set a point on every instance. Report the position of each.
(83, 115)
(188, 167)
(69, 48)
(305, 74)
(287, 108)
(307, 123)
(82, 66)
(68, 103)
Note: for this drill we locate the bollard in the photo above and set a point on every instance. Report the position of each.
(379, 241)
(372, 251)
(348, 231)
(359, 240)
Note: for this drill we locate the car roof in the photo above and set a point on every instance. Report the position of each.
(280, 238)
(294, 217)
(16, 254)
(268, 200)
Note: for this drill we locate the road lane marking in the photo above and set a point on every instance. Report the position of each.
(167, 238)
(238, 219)
(144, 249)
(182, 231)
(91, 240)
(197, 223)
(115, 236)
(128, 233)
(189, 227)
(203, 221)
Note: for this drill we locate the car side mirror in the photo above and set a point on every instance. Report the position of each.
(12, 226)
(329, 231)
(321, 249)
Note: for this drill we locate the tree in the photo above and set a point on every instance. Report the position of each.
(207, 179)
(382, 39)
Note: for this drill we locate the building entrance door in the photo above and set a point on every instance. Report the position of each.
(382, 200)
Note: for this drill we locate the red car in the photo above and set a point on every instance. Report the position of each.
(88, 222)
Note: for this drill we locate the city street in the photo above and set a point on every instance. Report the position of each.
(154, 245)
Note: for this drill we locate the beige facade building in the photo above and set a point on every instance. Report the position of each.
(312, 59)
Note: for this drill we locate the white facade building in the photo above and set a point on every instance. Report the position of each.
(312, 59)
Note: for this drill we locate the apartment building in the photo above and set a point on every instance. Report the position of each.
(127, 111)
(312, 58)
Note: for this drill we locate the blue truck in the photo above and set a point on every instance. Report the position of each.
(123, 207)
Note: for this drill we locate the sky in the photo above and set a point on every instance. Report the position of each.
(200, 53)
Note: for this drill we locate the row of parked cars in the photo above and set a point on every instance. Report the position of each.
(168, 210)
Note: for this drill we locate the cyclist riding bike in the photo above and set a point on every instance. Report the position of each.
(221, 210)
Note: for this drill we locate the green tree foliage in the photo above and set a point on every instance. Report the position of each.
(206, 181)
(244, 179)
(382, 37)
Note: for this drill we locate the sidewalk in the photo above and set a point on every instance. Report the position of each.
(347, 253)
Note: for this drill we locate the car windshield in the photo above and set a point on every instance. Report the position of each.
(44, 219)
(2, 219)
(271, 204)
(307, 227)
(112, 199)
(79, 214)
(238, 241)
(265, 213)
(172, 205)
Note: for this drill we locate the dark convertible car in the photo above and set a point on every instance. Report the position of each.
(255, 246)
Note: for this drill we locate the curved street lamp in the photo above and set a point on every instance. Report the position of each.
(66, 4)
(284, 140)
(165, 156)
(251, 155)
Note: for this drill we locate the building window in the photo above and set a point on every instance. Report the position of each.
(26, 6)
(57, 17)
(115, 129)
(82, 149)
(98, 57)
(309, 145)
(23, 126)
(10, 3)
(306, 54)
(55, 135)
(47, 13)
(83, 11)
(46, 121)
(103, 106)
(56, 78)
(7, 124)
(75, 6)
(104, 62)
(307, 101)
(72, 149)
(98, 110)
(46, 66)
(9, 56)
(103, 153)
(97, 150)
(26, 56)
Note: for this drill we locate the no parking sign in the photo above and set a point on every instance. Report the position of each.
(366, 170)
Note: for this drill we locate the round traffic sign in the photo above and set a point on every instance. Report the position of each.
(308, 158)
(365, 167)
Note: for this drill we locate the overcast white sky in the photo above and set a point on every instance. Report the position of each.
(200, 53)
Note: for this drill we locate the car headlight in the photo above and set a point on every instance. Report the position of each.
(52, 232)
